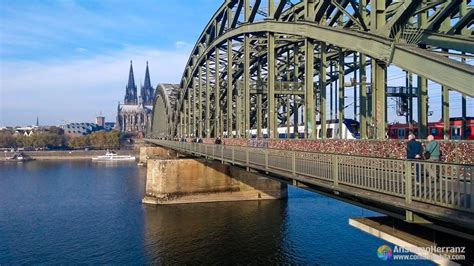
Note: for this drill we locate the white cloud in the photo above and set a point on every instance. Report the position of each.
(180, 45)
(78, 90)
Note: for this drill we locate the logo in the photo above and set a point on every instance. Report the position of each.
(384, 252)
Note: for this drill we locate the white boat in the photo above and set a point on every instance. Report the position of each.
(111, 156)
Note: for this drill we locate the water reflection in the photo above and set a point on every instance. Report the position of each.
(216, 233)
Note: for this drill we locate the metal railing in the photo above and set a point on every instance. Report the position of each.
(440, 184)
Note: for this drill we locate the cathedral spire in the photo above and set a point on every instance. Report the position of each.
(131, 78)
(147, 77)
(131, 89)
(147, 91)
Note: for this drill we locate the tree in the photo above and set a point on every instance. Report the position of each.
(24, 141)
(113, 139)
(7, 140)
(78, 142)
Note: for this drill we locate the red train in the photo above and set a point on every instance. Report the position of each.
(401, 131)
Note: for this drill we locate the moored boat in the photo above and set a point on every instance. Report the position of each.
(20, 157)
(111, 156)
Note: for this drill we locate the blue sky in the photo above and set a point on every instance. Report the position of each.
(68, 60)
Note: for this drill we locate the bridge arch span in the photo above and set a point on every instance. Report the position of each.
(276, 63)
(163, 105)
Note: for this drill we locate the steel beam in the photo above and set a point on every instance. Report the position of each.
(200, 134)
(238, 109)
(355, 85)
(363, 97)
(188, 115)
(295, 100)
(435, 67)
(341, 94)
(322, 89)
(463, 116)
(310, 129)
(208, 99)
(422, 107)
(229, 88)
(379, 107)
(246, 98)
(271, 124)
(445, 110)
(217, 96)
(193, 109)
(288, 97)
(259, 92)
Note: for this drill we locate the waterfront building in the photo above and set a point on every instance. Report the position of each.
(81, 129)
(134, 115)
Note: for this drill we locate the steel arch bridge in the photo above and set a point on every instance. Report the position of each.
(259, 65)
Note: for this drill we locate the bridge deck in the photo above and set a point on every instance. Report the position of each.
(438, 191)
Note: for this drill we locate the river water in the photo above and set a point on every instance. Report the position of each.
(84, 212)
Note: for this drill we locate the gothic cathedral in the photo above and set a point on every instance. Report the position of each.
(134, 115)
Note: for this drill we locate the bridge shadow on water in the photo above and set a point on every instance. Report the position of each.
(216, 233)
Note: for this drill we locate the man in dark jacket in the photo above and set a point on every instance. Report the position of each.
(414, 151)
(414, 148)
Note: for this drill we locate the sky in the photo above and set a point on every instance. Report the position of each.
(68, 60)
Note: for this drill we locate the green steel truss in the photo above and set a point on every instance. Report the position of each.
(268, 64)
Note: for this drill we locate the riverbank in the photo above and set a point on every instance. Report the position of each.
(68, 155)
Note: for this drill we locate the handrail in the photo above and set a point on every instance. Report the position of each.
(440, 184)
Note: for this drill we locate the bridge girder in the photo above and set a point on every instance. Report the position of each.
(409, 34)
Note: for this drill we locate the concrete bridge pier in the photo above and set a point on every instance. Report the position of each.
(173, 180)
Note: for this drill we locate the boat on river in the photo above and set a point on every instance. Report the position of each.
(20, 157)
(111, 156)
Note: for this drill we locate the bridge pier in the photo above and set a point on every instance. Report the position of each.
(188, 180)
(149, 151)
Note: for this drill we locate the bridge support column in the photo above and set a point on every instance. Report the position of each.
(152, 151)
(175, 181)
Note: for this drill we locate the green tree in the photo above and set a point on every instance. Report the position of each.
(7, 140)
(78, 142)
(24, 141)
(113, 139)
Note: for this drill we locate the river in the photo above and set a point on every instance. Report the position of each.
(84, 212)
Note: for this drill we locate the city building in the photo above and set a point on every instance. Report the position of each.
(80, 129)
(100, 120)
(134, 115)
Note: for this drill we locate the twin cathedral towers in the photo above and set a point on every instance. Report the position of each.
(134, 115)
